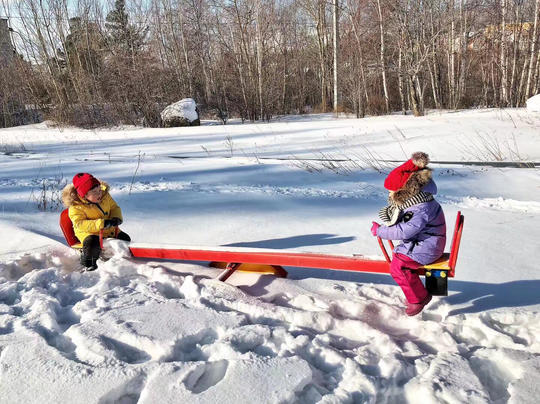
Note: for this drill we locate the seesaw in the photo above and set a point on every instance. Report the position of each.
(273, 261)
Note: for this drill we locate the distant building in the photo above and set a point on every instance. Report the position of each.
(519, 33)
(6, 47)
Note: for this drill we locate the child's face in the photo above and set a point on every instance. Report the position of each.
(94, 195)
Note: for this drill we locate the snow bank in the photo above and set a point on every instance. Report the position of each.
(21, 241)
(139, 330)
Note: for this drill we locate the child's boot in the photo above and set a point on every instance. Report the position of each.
(90, 253)
(91, 268)
(414, 308)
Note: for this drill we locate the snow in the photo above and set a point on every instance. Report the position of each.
(533, 103)
(143, 330)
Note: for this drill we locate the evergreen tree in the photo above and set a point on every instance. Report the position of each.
(124, 36)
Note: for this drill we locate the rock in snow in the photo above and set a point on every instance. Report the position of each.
(181, 113)
(533, 104)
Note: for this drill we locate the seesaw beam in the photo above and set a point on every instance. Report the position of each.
(269, 257)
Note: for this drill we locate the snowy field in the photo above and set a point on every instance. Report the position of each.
(150, 331)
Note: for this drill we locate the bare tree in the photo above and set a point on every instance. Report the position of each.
(382, 55)
(94, 65)
(533, 50)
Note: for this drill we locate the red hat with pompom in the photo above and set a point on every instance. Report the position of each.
(84, 182)
(398, 176)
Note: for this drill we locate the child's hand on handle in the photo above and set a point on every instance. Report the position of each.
(374, 228)
(112, 222)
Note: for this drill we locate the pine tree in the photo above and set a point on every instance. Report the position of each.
(124, 36)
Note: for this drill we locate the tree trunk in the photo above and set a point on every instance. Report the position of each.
(240, 68)
(336, 42)
(400, 78)
(413, 96)
(464, 59)
(536, 79)
(433, 67)
(452, 59)
(185, 52)
(516, 40)
(321, 37)
(259, 59)
(381, 53)
(503, 56)
(533, 50)
(361, 61)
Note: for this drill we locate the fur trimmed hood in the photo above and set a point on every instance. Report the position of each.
(399, 175)
(408, 179)
(417, 180)
(70, 196)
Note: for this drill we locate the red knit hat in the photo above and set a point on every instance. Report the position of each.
(399, 175)
(84, 182)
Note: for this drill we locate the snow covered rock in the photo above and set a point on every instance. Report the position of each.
(181, 113)
(533, 103)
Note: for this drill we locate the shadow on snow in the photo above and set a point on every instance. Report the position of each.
(295, 241)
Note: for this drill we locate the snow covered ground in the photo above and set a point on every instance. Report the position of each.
(151, 331)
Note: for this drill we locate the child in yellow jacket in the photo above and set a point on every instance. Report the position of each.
(91, 209)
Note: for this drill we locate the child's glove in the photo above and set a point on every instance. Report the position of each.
(374, 228)
(115, 221)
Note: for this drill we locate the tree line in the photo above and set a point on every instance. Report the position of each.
(102, 65)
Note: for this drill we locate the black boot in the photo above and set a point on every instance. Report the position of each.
(90, 252)
(123, 236)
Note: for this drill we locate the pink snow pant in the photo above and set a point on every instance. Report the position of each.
(409, 281)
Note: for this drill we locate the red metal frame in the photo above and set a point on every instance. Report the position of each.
(386, 256)
(229, 270)
(391, 244)
(291, 259)
(456, 241)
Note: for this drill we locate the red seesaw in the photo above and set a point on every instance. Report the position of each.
(273, 261)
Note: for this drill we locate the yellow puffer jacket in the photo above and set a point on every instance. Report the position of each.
(89, 218)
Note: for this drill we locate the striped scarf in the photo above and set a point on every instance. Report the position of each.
(390, 214)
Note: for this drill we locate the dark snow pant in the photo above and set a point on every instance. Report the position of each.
(91, 249)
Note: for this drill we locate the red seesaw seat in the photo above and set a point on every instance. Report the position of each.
(437, 272)
(67, 228)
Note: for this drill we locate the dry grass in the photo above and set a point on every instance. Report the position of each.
(343, 163)
(48, 195)
(8, 148)
(486, 147)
